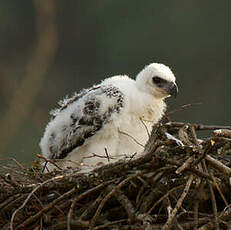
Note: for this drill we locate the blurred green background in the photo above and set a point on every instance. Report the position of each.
(49, 49)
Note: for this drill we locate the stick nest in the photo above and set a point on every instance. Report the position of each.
(179, 182)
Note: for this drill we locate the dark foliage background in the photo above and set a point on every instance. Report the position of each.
(86, 41)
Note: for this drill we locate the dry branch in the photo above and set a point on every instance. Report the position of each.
(170, 185)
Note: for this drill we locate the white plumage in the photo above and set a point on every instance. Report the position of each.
(112, 118)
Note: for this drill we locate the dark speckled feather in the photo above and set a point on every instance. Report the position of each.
(86, 119)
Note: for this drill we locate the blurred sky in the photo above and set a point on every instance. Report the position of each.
(49, 49)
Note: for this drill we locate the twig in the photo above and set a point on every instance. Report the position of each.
(139, 194)
(183, 107)
(145, 126)
(213, 199)
(207, 226)
(185, 165)
(116, 223)
(81, 196)
(91, 209)
(194, 136)
(198, 126)
(197, 202)
(17, 163)
(192, 224)
(183, 135)
(29, 196)
(126, 203)
(222, 133)
(106, 152)
(218, 165)
(100, 156)
(10, 180)
(110, 194)
(179, 203)
(205, 152)
(193, 170)
(218, 189)
(75, 224)
(155, 189)
(8, 201)
(10, 169)
(195, 217)
(11, 205)
(163, 197)
(126, 134)
(41, 224)
(47, 208)
(47, 160)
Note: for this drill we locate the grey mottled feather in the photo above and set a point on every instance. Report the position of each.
(88, 117)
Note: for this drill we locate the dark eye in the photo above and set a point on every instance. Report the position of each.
(157, 80)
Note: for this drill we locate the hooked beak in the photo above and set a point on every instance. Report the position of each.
(172, 89)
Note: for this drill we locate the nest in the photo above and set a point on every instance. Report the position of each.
(179, 182)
